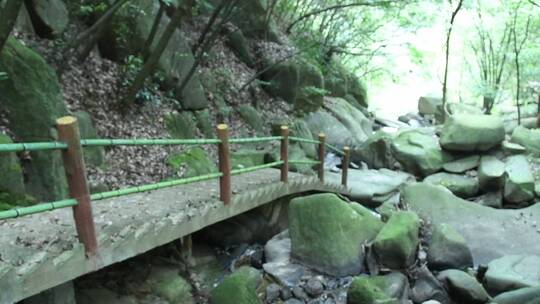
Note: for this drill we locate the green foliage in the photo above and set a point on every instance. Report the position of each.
(194, 160)
(151, 91)
(92, 9)
(9, 201)
(3, 76)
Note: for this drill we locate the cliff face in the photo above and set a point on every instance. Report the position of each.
(249, 75)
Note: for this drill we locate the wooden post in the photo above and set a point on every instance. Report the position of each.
(345, 165)
(285, 154)
(224, 164)
(322, 154)
(68, 132)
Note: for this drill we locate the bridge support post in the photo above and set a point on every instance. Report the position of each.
(322, 154)
(285, 154)
(225, 191)
(345, 165)
(68, 132)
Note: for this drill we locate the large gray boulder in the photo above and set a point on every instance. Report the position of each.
(513, 272)
(468, 132)
(373, 187)
(463, 164)
(376, 151)
(32, 98)
(463, 288)
(487, 231)
(429, 105)
(419, 151)
(461, 185)
(49, 17)
(529, 295)
(448, 249)
(491, 173)
(528, 138)
(396, 244)
(342, 124)
(327, 233)
(519, 184)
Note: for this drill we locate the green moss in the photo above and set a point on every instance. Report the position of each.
(9, 200)
(92, 155)
(33, 100)
(238, 288)
(204, 123)
(397, 242)
(369, 290)
(181, 125)
(195, 160)
(252, 118)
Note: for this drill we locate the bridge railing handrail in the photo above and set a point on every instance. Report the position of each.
(72, 145)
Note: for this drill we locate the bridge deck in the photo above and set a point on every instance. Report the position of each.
(41, 251)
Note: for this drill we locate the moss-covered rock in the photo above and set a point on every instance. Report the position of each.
(358, 90)
(194, 160)
(311, 91)
(204, 123)
(519, 182)
(461, 185)
(50, 18)
(470, 132)
(282, 80)
(528, 138)
(327, 233)
(376, 151)
(127, 35)
(169, 285)
(181, 125)
(92, 155)
(419, 151)
(33, 100)
(299, 128)
(448, 249)
(238, 43)
(396, 244)
(12, 175)
(252, 117)
(238, 288)
(392, 288)
(251, 18)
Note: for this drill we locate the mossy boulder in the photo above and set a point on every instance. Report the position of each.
(462, 165)
(12, 174)
(490, 173)
(461, 185)
(251, 18)
(376, 151)
(282, 80)
(299, 128)
(336, 80)
(519, 183)
(252, 117)
(372, 290)
(419, 152)
(33, 100)
(239, 44)
(472, 132)
(395, 245)
(181, 125)
(204, 123)
(94, 156)
(311, 88)
(428, 105)
(462, 287)
(238, 288)
(50, 18)
(448, 249)
(358, 89)
(166, 283)
(528, 138)
(127, 34)
(195, 160)
(328, 233)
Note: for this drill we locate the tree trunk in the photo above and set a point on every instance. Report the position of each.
(155, 26)
(8, 17)
(153, 59)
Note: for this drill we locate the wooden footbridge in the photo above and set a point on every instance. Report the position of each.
(47, 245)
